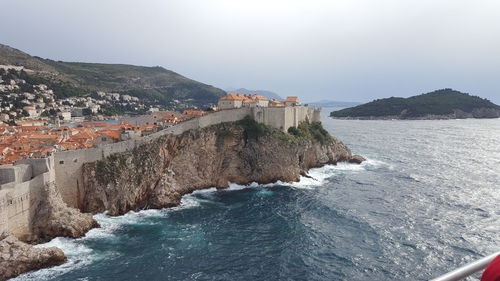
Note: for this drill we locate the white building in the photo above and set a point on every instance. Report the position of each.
(292, 101)
(238, 100)
(31, 110)
(66, 115)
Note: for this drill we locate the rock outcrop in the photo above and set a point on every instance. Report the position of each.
(158, 174)
(357, 159)
(54, 218)
(17, 257)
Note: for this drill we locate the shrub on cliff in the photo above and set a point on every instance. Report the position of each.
(253, 129)
(319, 133)
(223, 134)
(307, 130)
(109, 168)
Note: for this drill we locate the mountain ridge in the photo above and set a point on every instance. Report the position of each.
(265, 93)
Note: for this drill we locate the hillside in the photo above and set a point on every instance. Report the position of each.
(440, 104)
(78, 79)
(333, 103)
(267, 94)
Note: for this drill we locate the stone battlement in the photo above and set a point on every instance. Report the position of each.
(20, 193)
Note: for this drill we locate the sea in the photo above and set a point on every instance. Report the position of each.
(426, 201)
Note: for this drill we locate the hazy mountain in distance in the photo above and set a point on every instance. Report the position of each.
(332, 103)
(267, 94)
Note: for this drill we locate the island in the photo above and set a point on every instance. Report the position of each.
(440, 104)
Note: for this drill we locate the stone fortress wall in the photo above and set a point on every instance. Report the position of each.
(20, 193)
(21, 183)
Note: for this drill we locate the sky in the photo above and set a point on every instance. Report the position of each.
(346, 50)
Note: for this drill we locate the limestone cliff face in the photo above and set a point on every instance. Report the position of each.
(17, 257)
(54, 218)
(157, 174)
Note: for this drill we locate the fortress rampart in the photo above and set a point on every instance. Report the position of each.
(20, 196)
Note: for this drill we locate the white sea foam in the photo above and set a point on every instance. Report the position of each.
(374, 163)
(77, 253)
(208, 190)
(317, 176)
(187, 201)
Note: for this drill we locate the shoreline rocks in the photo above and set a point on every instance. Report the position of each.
(17, 257)
(357, 159)
(55, 219)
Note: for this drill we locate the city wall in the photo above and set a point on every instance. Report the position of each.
(20, 197)
(285, 117)
(69, 163)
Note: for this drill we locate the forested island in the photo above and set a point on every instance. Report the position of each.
(440, 104)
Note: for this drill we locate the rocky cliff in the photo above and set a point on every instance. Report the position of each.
(157, 174)
(53, 218)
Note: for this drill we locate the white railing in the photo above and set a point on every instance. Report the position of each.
(467, 270)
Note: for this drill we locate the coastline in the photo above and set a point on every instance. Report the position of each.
(173, 169)
(110, 223)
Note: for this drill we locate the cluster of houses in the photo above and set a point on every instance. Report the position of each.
(16, 105)
(22, 100)
(19, 142)
(34, 137)
(231, 101)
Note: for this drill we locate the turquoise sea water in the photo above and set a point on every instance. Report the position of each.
(425, 202)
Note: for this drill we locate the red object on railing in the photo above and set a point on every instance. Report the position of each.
(492, 271)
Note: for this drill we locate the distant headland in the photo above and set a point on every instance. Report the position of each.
(440, 104)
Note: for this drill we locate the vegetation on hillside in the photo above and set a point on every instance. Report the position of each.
(440, 102)
(253, 129)
(76, 79)
(307, 131)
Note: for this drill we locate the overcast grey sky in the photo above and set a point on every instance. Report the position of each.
(351, 50)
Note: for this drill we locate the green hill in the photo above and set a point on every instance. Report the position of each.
(77, 79)
(445, 103)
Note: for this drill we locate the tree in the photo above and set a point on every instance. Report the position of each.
(87, 111)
